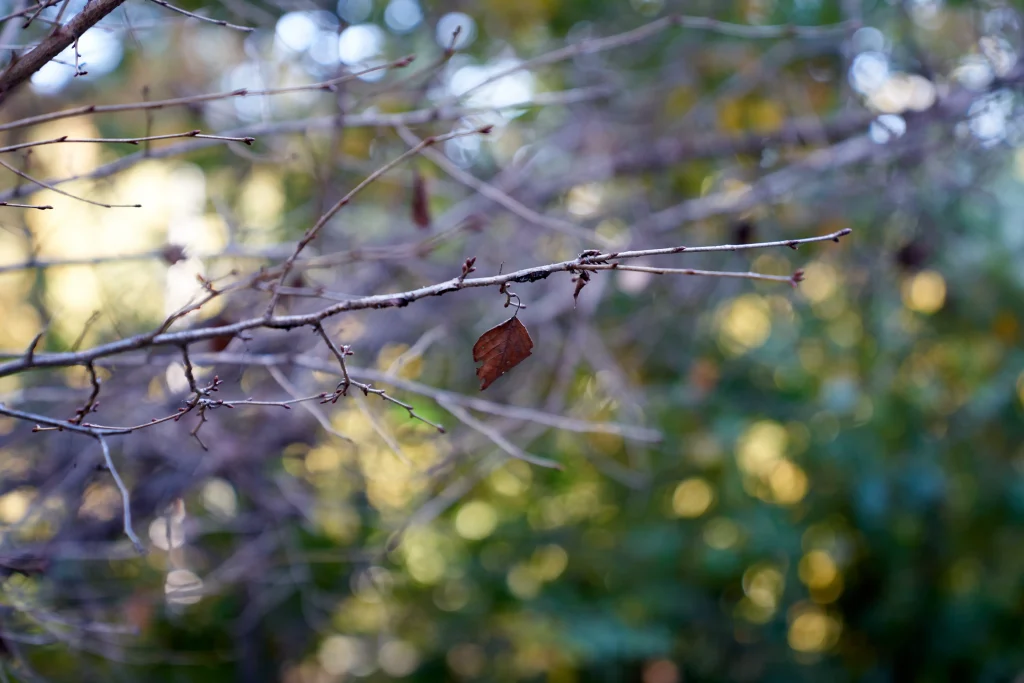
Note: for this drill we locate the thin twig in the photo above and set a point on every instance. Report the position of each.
(341, 203)
(41, 183)
(382, 432)
(347, 381)
(22, 69)
(260, 253)
(125, 498)
(377, 301)
(300, 126)
(41, 207)
(499, 197)
(689, 271)
(127, 141)
(496, 437)
(31, 350)
(339, 353)
(200, 17)
(90, 109)
(90, 403)
(293, 391)
(648, 31)
(272, 361)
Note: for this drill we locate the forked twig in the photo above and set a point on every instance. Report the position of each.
(341, 203)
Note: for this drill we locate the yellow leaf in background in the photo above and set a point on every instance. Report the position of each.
(15, 504)
(766, 115)
(812, 629)
(21, 323)
(750, 114)
(744, 324)
(679, 101)
(692, 498)
(817, 569)
(925, 292)
(261, 199)
(730, 115)
(476, 520)
(394, 358)
(821, 96)
(521, 14)
(757, 11)
(62, 161)
(1005, 327)
(356, 142)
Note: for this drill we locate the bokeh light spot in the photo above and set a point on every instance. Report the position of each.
(219, 498)
(522, 582)
(360, 43)
(818, 569)
(763, 585)
(402, 16)
(925, 292)
(761, 446)
(182, 587)
(548, 562)
(476, 520)
(721, 533)
(692, 498)
(661, 671)
(446, 26)
(744, 324)
(341, 654)
(398, 658)
(14, 505)
(788, 483)
(820, 282)
(812, 630)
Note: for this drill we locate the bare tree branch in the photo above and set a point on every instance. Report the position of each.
(378, 301)
(62, 36)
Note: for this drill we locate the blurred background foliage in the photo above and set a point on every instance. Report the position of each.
(839, 491)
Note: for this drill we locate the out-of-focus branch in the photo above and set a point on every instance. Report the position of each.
(263, 130)
(647, 31)
(344, 201)
(496, 195)
(235, 252)
(44, 184)
(10, 26)
(844, 133)
(197, 99)
(126, 141)
(808, 131)
(274, 361)
(772, 187)
(200, 17)
(496, 437)
(126, 505)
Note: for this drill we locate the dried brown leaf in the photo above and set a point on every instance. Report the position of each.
(420, 201)
(500, 349)
(743, 232)
(173, 253)
(581, 281)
